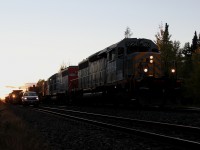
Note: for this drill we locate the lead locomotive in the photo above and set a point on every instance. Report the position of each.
(130, 70)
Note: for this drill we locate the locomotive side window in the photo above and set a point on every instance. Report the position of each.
(120, 52)
(111, 55)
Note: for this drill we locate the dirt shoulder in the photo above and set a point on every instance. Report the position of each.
(16, 134)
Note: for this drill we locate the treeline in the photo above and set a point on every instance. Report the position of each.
(187, 61)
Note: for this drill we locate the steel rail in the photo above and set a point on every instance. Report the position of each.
(160, 137)
(150, 123)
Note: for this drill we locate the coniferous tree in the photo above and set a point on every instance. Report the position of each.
(191, 70)
(186, 51)
(194, 42)
(198, 45)
(186, 60)
(198, 42)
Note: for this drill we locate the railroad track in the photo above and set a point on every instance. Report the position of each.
(174, 109)
(180, 135)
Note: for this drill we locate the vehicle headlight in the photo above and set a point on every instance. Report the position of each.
(37, 98)
(13, 96)
(25, 98)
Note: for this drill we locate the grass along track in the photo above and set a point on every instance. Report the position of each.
(16, 134)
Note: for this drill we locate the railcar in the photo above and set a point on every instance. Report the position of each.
(57, 87)
(130, 70)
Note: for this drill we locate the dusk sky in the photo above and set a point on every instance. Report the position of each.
(38, 36)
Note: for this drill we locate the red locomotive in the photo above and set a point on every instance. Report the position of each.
(57, 87)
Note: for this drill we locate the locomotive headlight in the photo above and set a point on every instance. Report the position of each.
(145, 70)
(13, 95)
(173, 70)
(151, 59)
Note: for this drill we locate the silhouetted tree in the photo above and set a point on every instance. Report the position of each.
(176, 51)
(194, 45)
(62, 66)
(191, 69)
(186, 50)
(40, 86)
(168, 54)
(128, 33)
(192, 82)
(186, 62)
(178, 57)
(199, 40)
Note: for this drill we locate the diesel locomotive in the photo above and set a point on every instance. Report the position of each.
(56, 88)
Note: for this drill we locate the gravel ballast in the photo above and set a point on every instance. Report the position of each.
(63, 134)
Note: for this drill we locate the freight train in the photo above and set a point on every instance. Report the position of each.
(129, 71)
